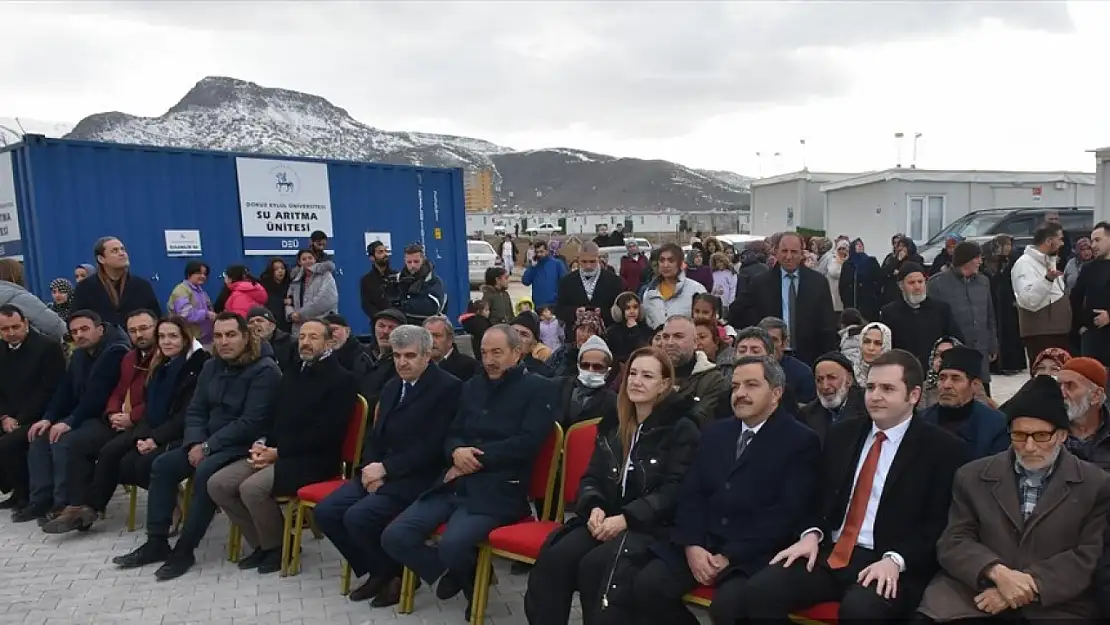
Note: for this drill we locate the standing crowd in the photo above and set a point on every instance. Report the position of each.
(786, 429)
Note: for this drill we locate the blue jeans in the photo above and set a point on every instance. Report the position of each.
(456, 551)
(353, 520)
(49, 471)
(168, 471)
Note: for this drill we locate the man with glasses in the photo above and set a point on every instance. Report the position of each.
(1026, 526)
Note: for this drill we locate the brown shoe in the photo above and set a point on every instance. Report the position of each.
(71, 518)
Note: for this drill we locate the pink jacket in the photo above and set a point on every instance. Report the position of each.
(245, 295)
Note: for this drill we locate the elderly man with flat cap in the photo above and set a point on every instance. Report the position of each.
(839, 396)
(917, 321)
(1025, 529)
(1083, 383)
(983, 428)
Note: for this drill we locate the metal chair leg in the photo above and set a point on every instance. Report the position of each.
(131, 506)
(233, 538)
(408, 591)
(345, 578)
(289, 510)
(295, 563)
(481, 585)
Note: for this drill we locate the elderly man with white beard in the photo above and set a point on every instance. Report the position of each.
(1083, 383)
(839, 397)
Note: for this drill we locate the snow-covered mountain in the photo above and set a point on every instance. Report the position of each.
(229, 114)
(13, 128)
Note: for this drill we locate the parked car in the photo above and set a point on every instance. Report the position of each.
(500, 230)
(983, 225)
(481, 257)
(544, 228)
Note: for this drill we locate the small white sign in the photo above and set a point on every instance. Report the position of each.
(11, 242)
(384, 237)
(181, 243)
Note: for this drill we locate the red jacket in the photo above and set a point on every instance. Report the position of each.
(632, 271)
(132, 377)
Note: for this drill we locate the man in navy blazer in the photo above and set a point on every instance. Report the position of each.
(746, 496)
(401, 458)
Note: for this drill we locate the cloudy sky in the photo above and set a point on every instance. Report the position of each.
(991, 85)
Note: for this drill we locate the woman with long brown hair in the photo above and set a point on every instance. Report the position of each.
(13, 291)
(626, 500)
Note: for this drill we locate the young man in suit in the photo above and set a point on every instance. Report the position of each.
(746, 496)
(401, 458)
(887, 483)
(796, 294)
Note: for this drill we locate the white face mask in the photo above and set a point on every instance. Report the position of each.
(591, 379)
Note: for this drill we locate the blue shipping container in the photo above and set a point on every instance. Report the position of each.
(245, 207)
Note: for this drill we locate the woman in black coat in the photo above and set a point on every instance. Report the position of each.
(861, 282)
(998, 263)
(626, 500)
(905, 251)
(275, 279)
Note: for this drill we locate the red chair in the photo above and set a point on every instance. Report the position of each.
(521, 542)
(309, 496)
(820, 614)
(544, 474)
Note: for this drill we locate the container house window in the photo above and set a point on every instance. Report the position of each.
(926, 216)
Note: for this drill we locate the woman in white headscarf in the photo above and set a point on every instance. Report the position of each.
(832, 272)
(874, 341)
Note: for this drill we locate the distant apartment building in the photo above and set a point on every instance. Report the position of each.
(478, 185)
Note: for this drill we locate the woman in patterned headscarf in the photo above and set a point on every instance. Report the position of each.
(1084, 254)
(587, 323)
(62, 292)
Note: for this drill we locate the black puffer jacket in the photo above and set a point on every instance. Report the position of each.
(663, 451)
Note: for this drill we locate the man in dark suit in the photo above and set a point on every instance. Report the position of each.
(796, 294)
(401, 458)
(444, 352)
(746, 496)
(503, 418)
(886, 484)
(587, 287)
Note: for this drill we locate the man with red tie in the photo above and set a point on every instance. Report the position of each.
(887, 483)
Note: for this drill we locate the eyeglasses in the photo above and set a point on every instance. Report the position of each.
(596, 367)
(1039, 437)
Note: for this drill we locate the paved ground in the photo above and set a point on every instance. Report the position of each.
(69, 580)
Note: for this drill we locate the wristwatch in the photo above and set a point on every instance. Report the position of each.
(204, 449)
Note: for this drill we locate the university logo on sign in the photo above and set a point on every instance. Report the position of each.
(285, 180)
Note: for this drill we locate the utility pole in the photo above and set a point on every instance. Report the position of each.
(804, 166)
(898, 137)
(913, 163)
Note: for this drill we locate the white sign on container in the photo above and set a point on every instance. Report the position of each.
(11, 242)
(183, 243)
(281, 204)
(384, 237)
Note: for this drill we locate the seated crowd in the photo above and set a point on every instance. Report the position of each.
(777, 485)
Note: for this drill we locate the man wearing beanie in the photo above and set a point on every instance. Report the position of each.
(1034, 507)
(527, 326)
(1083, 383)
(983, 428)
(1044, 311)
(917, 321)
(968, 293)
(283, 346)
(839, 397)
(585, 395)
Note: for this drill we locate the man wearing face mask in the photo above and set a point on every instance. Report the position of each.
(916, 320)
(588, 287)
(372, 285)
(839, 397)
(585, 396)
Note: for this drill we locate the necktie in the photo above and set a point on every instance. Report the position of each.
(857, 507)
(742, 442)
(405, 388)
(793, 307)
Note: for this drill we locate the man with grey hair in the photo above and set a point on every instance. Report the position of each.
(587, 287)
(748, 491)
(696, 376)
(799, 376)
(402, 456)
(444, 352)
(503, 418)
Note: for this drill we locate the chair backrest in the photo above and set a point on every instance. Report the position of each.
(545, 471)
(356, 432)
(578, 447)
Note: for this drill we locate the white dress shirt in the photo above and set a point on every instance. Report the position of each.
(889, 450)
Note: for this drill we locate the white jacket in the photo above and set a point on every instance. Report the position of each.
(657, 310)
(1032, 290)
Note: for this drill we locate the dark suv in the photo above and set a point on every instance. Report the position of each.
(983, 225)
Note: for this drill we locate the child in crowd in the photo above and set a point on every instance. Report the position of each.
(851, 322)
(476, 321)
(551, 329)
(525, 304)
(630, 332)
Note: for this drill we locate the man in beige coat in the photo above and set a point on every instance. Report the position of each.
(1025, 528)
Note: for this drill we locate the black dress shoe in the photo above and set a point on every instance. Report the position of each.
(368, 590)
(176, 565)
(448, 587)
(253, 560)
(390, 594)
(152, 551)
(29, 512)
(271, 562)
